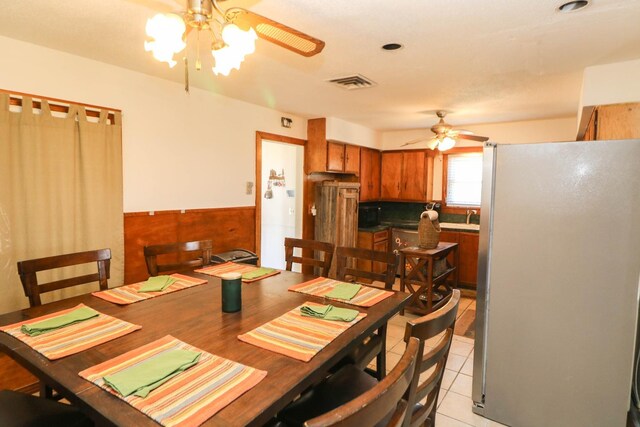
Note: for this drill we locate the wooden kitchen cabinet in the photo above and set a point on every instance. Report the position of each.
(615, 121)
(468, 248)
(391, 179)
(407, 175)
(468, 267)
(324, 155)
(337, 215)
(369, 174)
(378, 241)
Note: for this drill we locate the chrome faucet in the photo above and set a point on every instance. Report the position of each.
(471, 212)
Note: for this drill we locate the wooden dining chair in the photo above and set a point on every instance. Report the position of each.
(352, 398)
(198, 253)
(441, 321)
(20, 410)
(375, 344)
(347, 258)
(321, 258)
(28, 270)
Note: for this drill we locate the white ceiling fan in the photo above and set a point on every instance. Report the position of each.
(446, 135)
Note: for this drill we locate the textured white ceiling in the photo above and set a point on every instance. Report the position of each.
(484, 60)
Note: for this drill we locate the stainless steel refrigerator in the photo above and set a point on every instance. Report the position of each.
(558, 281)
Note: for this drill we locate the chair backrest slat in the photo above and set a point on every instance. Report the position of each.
(28, 270)
(321, 254)
(347, 257)
(441, 321)
(389, 396)
(199, 252)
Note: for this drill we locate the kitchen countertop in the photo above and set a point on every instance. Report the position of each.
(373, 229)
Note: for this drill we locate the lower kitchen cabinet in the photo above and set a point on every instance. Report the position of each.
(468, 248)
(378, 241)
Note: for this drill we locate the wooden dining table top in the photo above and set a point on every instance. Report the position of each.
(194, 315)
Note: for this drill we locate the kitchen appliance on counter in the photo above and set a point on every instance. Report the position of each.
(369, 216)
(558, 280)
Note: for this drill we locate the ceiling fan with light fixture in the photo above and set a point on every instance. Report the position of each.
(446, 135)
(233, 31)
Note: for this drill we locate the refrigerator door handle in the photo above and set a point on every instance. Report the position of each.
(484, 261)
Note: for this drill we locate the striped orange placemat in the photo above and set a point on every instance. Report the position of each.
(297, 336)
(74, 338)
(232, 267)
(129, 294)
(191, 397)
(320, 286)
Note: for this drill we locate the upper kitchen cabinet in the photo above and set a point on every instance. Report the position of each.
(616, 121)
(329, 156)
(369, 174)
(407, 175)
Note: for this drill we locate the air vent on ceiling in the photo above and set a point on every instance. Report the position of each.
(353, 82)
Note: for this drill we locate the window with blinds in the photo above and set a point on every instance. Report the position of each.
(464, 179)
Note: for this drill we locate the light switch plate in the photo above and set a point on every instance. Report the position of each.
(249, 187)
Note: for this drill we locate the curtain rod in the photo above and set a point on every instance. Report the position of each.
(92, 111)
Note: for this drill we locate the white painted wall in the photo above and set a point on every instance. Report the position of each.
(281, 214)
(341, 130)
(611, 84)
(180, 151)
(616, 83)
(549, 130)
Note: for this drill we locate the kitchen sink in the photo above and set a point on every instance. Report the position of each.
(457, 226)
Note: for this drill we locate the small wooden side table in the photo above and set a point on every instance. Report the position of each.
(418, 275)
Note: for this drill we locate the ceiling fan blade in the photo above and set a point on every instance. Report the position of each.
(473, 137)
(462, 131)
(275, 32)
(414, 141)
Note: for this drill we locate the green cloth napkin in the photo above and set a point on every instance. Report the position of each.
(262, 271)
(73, 317)
(344, 291)
(329, 312)
(144, 377)
(156, 284)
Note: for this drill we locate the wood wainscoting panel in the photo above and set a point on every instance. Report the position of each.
(228, 228)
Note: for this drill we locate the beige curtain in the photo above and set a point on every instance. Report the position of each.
(60, 192)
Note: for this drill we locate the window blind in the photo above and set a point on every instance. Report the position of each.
(464, 179)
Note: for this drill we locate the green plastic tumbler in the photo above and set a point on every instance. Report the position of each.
(231, 292)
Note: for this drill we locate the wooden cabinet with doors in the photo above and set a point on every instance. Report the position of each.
(323, 155)
(407, 175)
(468, 252)
(468, 267)
(337, 214)
(616, 121)
(369, 174)
(377, 241)
(343, 157)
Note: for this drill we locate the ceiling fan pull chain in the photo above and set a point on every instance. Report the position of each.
(198, 62)
(186, 74)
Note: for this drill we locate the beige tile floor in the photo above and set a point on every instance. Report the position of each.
(454, 402)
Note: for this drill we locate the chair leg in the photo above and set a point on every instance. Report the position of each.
(381, 358)
(46, 392)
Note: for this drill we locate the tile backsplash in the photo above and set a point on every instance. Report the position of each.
(404, 211)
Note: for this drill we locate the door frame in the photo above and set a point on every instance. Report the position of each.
(260, 136)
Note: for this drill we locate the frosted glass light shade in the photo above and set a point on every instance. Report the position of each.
(446, 143)
(167, 31)
(227, 58)
(243, 41)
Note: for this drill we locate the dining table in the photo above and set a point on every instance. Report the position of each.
(194, 316)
